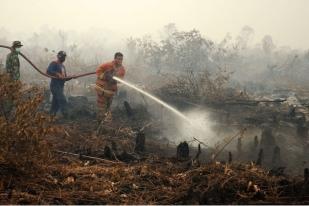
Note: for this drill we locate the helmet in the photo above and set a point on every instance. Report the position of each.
(16, 44)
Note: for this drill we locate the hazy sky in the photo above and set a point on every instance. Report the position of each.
(287, 21)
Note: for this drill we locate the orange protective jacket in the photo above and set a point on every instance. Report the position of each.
(111, 67)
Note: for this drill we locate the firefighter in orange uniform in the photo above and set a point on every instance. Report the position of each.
(106, 86)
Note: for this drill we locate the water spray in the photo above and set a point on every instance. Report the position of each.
(217, 151)
(175, 111)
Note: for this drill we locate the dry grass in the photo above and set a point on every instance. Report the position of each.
(157, 181)
(22, 127)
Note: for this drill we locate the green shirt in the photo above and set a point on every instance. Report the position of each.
(13, 65)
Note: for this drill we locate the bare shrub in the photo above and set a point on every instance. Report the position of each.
(22, 128)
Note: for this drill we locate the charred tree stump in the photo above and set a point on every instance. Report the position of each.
(306, 175)
(255, 143)
(183, 151)
(276, 160)
(140, 142)
(260, 158)
(196, 159)
(254, 148)
(268, 141)
(306, 181)
(230, 157)
(108, 153)
(114, 146)
(239, 146)
(128, 109)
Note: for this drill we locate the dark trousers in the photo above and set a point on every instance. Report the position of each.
(59, 101)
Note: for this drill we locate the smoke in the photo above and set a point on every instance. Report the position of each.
(200, 127)
(176, 129)
(153, 63)
(254, 66)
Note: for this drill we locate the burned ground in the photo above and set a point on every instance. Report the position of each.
(128, 162)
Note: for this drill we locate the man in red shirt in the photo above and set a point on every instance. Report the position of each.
(106, 86)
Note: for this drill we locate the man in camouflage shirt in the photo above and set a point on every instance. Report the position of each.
(12, 61)
(12, 68)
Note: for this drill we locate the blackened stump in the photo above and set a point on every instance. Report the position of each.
(260, 157)
(128, 109)
(306, 175)
(140, 142)
(276, 159)
(108, 152)
(183, 151)
(230, 157)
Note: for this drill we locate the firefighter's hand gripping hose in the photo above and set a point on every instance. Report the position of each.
(46, 75)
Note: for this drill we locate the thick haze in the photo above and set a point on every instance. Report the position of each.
(285, 20)
(198, 50)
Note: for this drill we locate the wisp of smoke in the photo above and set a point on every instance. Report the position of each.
(200, 128)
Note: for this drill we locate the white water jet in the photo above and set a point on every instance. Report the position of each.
(196, 126)
(154, 98)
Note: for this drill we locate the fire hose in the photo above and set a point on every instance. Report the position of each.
(47, 75)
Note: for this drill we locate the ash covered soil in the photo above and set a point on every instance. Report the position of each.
(127, 162)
